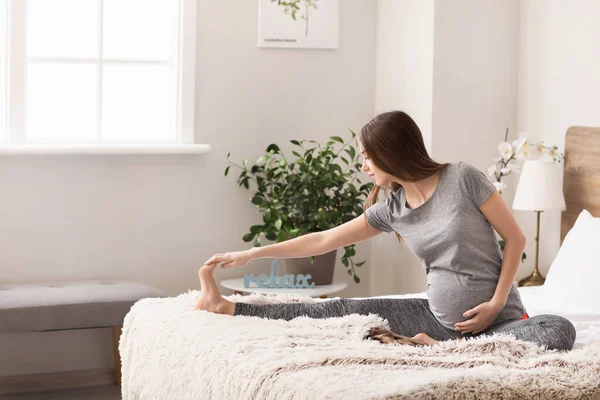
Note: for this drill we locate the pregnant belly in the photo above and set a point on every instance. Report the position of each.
(451, 294)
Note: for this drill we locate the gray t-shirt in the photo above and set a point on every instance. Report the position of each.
(453, 241)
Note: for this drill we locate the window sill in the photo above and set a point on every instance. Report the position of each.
(125, 149)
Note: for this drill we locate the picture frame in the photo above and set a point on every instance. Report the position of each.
(308, 24)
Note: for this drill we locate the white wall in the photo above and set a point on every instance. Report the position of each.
(404, 63)
(474, 78)
(404, 79)
(559, 86)
(156, 219)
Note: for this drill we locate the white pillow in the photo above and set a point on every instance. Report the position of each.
(574, 276)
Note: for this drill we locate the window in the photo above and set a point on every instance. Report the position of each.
(97, 72)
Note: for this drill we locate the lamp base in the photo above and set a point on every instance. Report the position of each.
(535, 279)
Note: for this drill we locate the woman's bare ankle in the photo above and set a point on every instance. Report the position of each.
(228, 307)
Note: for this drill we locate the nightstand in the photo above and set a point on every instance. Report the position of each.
(321, 291)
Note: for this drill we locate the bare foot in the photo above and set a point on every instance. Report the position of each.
(210, 299)
(424, 338)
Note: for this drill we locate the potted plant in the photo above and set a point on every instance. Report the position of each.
(309, 192)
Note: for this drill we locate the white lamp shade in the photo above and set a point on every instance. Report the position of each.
(539, 188)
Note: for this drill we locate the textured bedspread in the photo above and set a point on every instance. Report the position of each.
(171, 351)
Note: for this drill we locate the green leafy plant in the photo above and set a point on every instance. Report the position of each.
(309, 193)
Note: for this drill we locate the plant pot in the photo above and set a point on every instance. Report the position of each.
(321, 270)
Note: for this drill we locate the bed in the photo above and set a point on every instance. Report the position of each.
(170, 351)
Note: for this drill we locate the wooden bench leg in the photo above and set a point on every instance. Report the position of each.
(116, 336)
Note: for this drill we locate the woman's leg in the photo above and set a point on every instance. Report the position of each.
(553, 331)
(407, 317)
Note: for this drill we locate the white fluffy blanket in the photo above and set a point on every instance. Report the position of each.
(171, 351)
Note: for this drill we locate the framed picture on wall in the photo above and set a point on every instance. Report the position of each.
(308, 24)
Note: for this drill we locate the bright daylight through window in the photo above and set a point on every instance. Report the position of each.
(92, 72)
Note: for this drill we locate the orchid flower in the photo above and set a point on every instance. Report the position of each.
(520, 142)
(518, 150)
(505, 150)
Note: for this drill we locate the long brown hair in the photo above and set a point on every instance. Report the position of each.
(395, 144)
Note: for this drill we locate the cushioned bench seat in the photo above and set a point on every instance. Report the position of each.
(34, 307)
(64, 305)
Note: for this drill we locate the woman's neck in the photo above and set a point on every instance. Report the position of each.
(417, 193)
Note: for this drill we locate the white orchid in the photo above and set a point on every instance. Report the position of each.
(536, 150)
(520, 149)
(505, 150)
(510, 168)
(515, 167)
(523, 154)
(520, 142)
(500, 186)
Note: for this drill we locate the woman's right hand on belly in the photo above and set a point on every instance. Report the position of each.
(233, 259)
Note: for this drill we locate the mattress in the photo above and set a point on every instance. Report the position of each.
(537, 302)
(171, 351)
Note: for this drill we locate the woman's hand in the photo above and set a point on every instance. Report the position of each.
(234, 259)
(482, 316)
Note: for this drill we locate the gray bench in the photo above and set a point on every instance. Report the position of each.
(64, 305)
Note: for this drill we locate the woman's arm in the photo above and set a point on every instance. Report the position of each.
(497, 213)
(318, 243)
(312, 244)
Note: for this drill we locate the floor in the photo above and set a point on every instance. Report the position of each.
(89, 393)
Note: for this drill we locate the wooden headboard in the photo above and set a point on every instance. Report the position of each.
(581, 181)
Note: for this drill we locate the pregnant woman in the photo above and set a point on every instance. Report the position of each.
(446, 214)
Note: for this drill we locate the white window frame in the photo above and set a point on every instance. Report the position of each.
(184, 118)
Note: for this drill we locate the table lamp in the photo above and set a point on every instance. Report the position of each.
(539, 190)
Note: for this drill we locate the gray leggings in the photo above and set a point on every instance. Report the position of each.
(410, 316)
